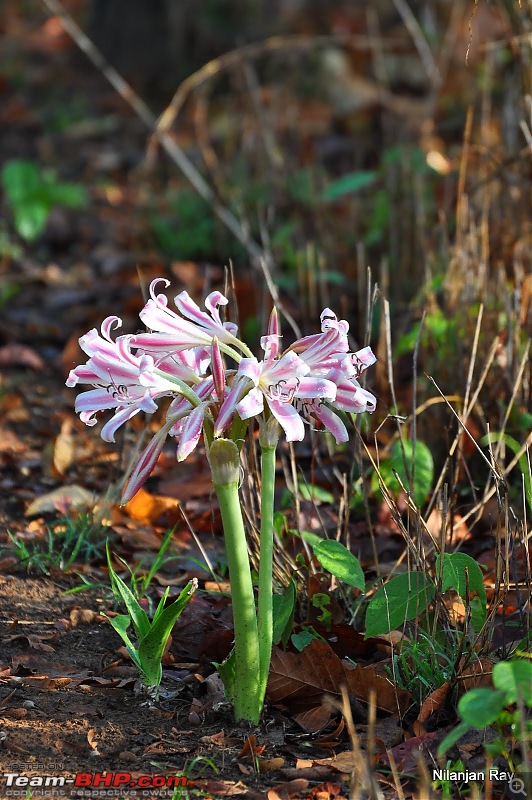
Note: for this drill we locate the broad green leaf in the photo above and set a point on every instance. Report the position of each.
(121, 623)
(302, 639)
(151, 647)
(481, 707)
(340, 562)
(401, 598)
(311, 538)
(139, 617)
(21, 181)
(348, 184)
(420, 462)
(454, 577)
(316, 493)
(514, 678)
(160, 608)
(283, 613)
(71, 195)
(452, 737)
(30, 219)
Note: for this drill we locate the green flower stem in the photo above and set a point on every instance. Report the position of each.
(265, 600)
(247, 699)
(224, 460)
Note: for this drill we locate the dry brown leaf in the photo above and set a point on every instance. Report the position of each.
(315, 719)
(433, 702)
(479, 673)
(148, 508)
(62, 499)
(270, 764)
(299, 680)
(64, 449)
(20, 355)
(289, 789)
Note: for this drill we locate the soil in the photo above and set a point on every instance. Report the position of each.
(70, 703)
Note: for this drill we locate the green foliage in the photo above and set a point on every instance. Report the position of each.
(413, 466)
(348, 184)
(188, 230)
(515, 447)
(340, 562)
(463, 574)
(33, 192)
(421, 665)
(283, 613)
(67, 541)
(152, 636)
(438, 332)
(323, 601)
(482, 707)
(400, 599)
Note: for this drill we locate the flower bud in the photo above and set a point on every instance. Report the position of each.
(224, 459)
(218, 370)
(269, 432)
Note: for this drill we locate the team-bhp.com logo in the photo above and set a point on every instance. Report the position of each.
(101, 780)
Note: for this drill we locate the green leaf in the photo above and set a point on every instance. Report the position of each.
(21, 181)
(139, 617)
(315, 493)
(283, 613)
(311, 538)
(452, 737)
(401, 598)
(302, 639)
(30, 219)
(454, 577)
(423, 470)
(151, 647)
(121, 623)
(227, 671)
(71, 195)
(160, 608)
(514, 678)
(340, 562)
(348, 184)
(515, 447)
(481, 707)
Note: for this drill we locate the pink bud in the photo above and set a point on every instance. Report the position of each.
(218, 370)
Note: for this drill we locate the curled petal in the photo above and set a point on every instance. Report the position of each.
(107, 326)
(331, 421)
(118, 419)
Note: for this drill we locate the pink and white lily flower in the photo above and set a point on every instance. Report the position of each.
(170, 333)
(279, 381)
(121, 380)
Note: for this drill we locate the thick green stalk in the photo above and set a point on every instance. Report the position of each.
(224, 460)
(265, 600)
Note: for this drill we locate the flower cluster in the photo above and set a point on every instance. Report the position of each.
(181, 356)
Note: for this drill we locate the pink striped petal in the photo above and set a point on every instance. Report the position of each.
(289, 420)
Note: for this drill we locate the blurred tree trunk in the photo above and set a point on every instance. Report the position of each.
(155, 44)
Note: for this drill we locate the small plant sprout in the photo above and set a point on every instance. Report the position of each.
(152, 636)
(216, 385)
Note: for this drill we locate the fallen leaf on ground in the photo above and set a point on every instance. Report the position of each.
(433, 702)
(299, 680)
(148, 508)
(62, 499)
